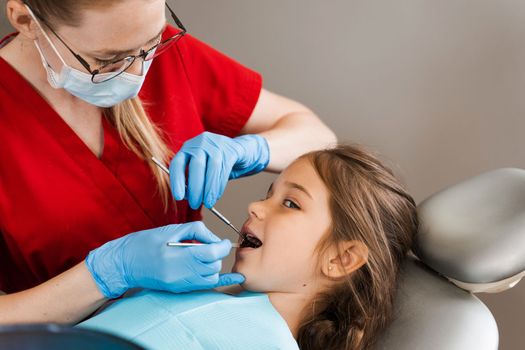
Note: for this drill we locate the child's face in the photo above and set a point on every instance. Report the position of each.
(290, 222)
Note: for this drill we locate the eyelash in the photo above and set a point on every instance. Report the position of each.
(294, 205)
(103, 62)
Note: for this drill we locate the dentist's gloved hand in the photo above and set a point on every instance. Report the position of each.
(143, 259)
(212, 160)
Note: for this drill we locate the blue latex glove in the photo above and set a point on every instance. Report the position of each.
(143, 259)
(212, 160)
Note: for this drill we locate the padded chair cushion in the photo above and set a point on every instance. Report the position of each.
(474, 231)
(433, 314)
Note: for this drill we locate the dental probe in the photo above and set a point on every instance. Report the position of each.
(177, 244)
(212, 209)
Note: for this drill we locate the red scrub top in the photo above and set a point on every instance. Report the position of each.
(58, 200)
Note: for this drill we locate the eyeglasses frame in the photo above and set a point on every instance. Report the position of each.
(142, 53)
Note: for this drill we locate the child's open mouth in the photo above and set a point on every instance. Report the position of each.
(249, 239)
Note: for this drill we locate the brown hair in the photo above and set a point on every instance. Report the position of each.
(134, 126)
(368, 204)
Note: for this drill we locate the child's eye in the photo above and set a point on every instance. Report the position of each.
(290, 204)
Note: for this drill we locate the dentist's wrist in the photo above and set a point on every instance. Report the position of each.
(257, 153)
(103, 266)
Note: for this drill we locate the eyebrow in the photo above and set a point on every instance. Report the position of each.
(110, 52)
(298, 187)
(293, 185)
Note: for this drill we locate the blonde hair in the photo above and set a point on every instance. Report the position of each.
(144, 138)
(130, 119)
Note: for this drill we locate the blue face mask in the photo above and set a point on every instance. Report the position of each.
(106, 94)
(79, 84)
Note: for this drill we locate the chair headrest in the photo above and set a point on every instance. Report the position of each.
(474, 232)
(433, 314)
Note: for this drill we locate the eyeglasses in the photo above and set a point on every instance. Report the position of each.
(113, 69)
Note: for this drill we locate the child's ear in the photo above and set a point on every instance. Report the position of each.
(345, 259)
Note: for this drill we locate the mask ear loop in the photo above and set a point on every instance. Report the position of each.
(44, 61)
(47, 38)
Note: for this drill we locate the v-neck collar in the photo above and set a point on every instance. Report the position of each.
(75, 148)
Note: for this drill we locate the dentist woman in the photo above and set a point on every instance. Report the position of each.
(90, 90)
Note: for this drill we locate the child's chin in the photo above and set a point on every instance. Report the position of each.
(252, 287)
(237, 267)
(246, 284)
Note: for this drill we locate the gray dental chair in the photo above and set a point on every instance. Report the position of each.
(471, 239)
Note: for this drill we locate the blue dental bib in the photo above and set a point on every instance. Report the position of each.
(197, 320)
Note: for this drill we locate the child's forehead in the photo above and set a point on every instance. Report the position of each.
(301, 172)
(301, 167)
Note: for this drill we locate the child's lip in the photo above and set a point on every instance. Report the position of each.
(246, 230)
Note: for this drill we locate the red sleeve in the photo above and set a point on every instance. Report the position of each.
(225, 92)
